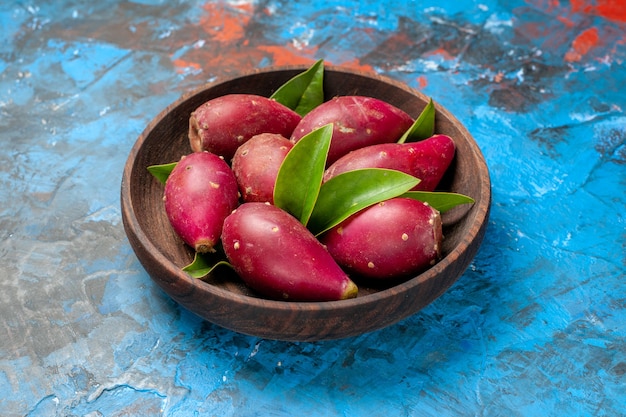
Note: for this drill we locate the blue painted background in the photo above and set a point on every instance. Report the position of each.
(536, 326)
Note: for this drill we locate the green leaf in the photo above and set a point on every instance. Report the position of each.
(423, 127)
(352, 191)
(161, 172)
(303, 92)
(442, 201)
(203, 265)
(300, 176)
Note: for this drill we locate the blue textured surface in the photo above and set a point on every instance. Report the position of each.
(536, 326)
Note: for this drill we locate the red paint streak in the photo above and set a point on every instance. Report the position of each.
(609, 9)
(570, 29)
(422, 81)
(566, 21)
(442, 53)
(583, 43)
(612, 9)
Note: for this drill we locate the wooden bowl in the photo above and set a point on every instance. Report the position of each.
(224, 299)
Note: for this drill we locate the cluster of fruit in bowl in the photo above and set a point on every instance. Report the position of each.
(304, 197)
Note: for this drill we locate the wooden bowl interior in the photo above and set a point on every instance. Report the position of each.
(224, 299)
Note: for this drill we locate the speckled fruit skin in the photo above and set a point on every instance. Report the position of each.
(427, 160)
(199, 193)
(358, 121)
(222, 124)
(277, 256)
(392, 239)
(256, 164)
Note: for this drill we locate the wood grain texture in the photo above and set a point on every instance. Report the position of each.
(223, 299)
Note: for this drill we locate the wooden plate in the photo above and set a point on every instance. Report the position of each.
(224, 300)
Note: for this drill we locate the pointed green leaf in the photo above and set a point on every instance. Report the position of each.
(203, 265)
(303, 92)
(439, 200)
(349, 192)
(161, 172)
(300, 175)
(423, 127)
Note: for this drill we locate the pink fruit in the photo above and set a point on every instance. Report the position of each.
(199, 193)
(277, 256)
(256, 164)
(357, 122)
(395, 238)
(224, 123)
(427, 160)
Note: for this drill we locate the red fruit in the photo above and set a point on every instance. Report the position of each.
(256, 164)
(427, 160)
(199, 193)
(224, 123)
(395, 238)
(277, 256)
(358, 121)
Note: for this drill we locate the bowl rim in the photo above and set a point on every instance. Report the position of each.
(133, 226)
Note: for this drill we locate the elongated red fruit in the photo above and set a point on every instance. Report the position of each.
(199, 193)
(277, 256)
(224, 123)
(427, 160)
(256, 164)
(358, 121)
(392, 239)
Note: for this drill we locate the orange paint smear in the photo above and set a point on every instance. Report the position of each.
(183, 65)
(285, 56)
(226, 23)
(554, 4)
(356, 65)
(422, 81)
(586, 40)
(583, 43)
(580, 6)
